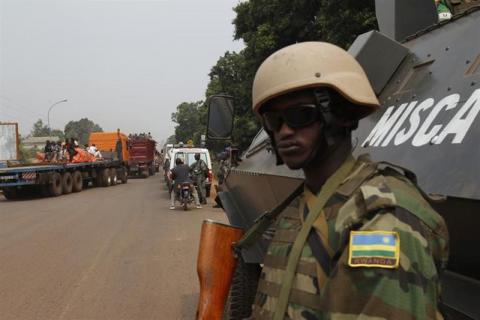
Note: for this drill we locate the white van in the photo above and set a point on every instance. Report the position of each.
(188, 157)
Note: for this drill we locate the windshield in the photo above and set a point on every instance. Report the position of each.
(190, 157)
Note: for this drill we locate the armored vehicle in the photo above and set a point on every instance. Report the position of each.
(426, 74)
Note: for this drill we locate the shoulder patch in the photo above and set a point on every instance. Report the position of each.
(380, 249)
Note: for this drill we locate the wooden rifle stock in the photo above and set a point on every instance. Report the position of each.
(215, 266)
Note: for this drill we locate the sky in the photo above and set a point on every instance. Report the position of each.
(122, 63)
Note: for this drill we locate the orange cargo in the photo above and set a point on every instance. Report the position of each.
(107, 141)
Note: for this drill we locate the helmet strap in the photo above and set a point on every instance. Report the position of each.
(324, 104)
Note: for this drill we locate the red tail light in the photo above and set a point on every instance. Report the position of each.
(210, 175)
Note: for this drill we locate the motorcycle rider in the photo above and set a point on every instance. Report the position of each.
(361, 241)
(200, 172)
(181, 174)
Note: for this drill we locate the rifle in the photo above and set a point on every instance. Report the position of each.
(219, 246)
(215, 266)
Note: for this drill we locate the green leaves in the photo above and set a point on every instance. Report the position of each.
(191, 119)
(81, 130)
(40, 129)
(266, 26)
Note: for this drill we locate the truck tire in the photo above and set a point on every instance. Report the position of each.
(113, 176)
(77, 181)
(242, 291)
(55, 187)
(124, 175)
(106, 178)
(152, 170)
(67, 183)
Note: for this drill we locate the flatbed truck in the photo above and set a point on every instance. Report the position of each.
(55, 179)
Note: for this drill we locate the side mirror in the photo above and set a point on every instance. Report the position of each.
(220, 117)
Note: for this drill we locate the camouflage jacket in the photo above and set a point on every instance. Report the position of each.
(375, 252)
(199, 169)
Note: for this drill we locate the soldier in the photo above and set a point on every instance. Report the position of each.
(362, 241)
(200, 172)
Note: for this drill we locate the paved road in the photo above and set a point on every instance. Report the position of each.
(104, 253)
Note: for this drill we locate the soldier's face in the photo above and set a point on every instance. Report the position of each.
(296, 146)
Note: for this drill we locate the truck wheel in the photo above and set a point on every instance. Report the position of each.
(144, 174)
(67, 183)
(77, 181)
(124, 175)
(152, 170)
(55, 187)
(106, 178)
(113, 176)
(10, 194)
(242, 291)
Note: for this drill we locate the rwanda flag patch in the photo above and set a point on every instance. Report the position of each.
(379, 249)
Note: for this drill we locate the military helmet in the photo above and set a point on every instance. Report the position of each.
(309, 65)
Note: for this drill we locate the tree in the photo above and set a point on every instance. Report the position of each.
(232, 76)
(41, 130)
(171, 140)
(268, 25)
(81, 130)
(191, 119)
(265, 26)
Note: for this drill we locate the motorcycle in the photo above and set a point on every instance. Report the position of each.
(185, 196)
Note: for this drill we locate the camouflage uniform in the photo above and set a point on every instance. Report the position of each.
(328, 284)
(200, 171)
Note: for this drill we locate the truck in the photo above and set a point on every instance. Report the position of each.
(112, 145)
(18, 180)
(142, 155)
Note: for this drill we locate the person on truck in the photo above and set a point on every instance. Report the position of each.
(363, 242)
(71, 149)
(55, 151)
(94, 151)
(199, 171)
(48, 151)
(181, 174)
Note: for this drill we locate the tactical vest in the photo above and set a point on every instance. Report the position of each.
(318, 255)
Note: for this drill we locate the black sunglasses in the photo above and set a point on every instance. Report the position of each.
(295, 117)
